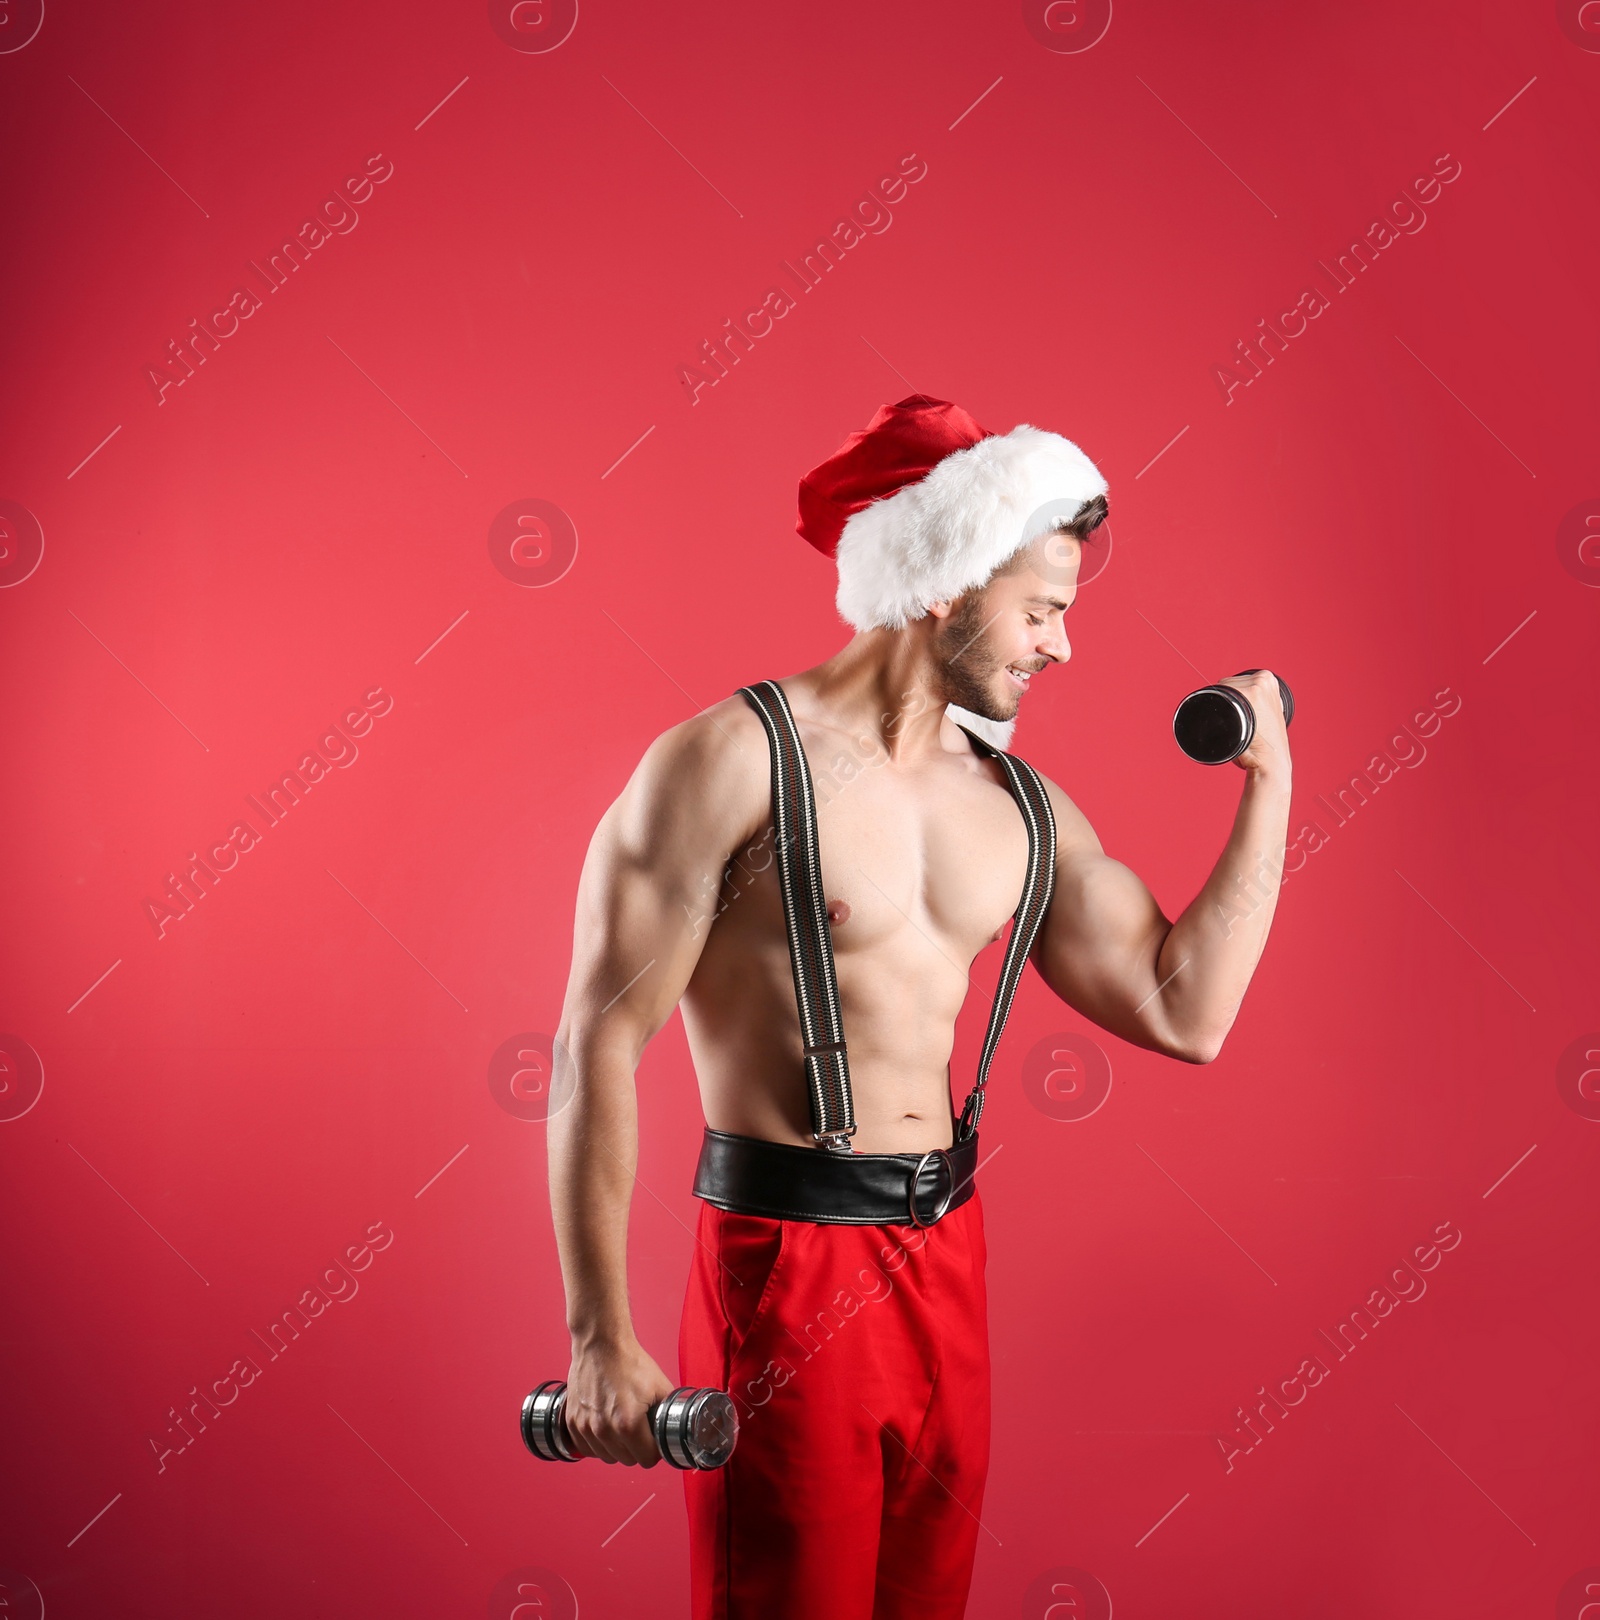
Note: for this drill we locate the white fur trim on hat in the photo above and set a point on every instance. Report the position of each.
(948, 533)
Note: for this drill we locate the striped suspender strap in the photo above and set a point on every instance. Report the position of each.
(1028, 790)
(805, 917)
(816, 990)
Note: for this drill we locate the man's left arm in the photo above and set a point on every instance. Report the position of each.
(1107, 949)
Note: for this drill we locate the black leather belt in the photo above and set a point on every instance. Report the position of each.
(750, 1176)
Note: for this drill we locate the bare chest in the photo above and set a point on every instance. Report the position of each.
(931, 859)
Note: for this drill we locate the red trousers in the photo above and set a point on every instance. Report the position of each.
(858, 1360)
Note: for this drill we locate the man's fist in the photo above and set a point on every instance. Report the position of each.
(610, 1390)
(1268, 752)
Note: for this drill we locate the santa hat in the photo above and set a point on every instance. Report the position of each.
(924, 504)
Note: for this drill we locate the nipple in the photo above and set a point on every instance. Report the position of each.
(838, 911)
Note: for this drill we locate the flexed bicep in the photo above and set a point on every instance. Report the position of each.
(1100, 947)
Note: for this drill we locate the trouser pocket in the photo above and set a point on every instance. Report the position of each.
(750, 1252)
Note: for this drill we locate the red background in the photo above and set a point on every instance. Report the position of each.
(228, 1106)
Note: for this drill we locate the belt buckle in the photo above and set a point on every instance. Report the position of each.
(943, 1156)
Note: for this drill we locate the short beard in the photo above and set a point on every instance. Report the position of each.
(967, 666)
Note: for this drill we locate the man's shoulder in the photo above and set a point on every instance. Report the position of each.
(701, 785)
(718, 756)
(1073, 832)
(718, 738)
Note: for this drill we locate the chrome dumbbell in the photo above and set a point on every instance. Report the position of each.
(1217, 723)
(694, 1428)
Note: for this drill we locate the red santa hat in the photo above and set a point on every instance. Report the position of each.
(924, 504)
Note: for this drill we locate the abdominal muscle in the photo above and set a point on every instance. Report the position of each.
(900, 990)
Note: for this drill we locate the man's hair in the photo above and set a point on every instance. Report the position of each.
(1082, 524)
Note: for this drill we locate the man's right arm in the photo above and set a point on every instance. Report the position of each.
(650, 881)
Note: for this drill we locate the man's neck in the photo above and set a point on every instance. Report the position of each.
(885, 685)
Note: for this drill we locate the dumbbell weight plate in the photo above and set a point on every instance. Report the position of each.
(695, 1428)
(1214, 724)
(544, 1422)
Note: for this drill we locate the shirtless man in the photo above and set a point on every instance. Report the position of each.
(837, 1285)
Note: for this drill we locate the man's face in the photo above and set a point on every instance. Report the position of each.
(994, 640)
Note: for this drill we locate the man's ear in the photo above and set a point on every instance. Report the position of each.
(940, 610)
